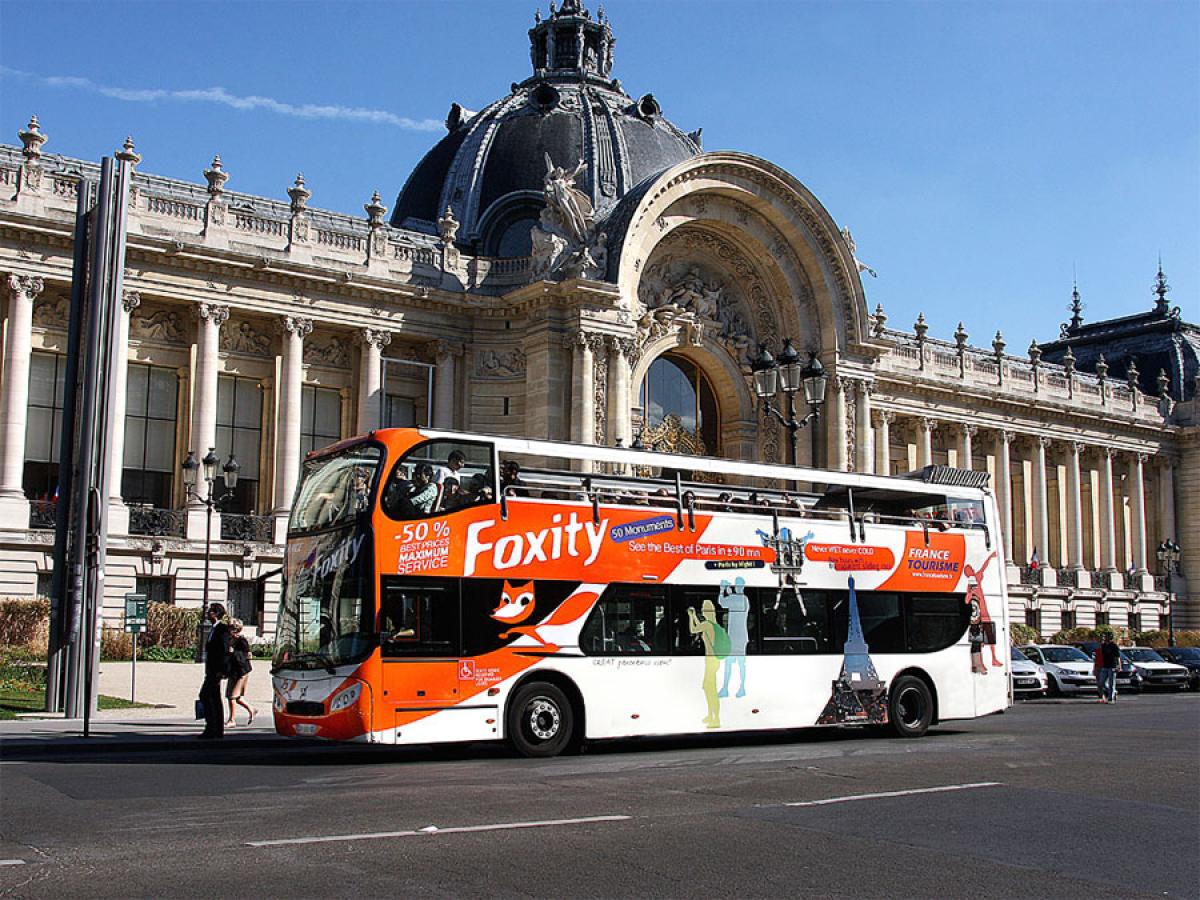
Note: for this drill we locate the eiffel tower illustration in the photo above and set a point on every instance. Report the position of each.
(858, 694)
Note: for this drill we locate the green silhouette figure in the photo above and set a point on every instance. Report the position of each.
(716, 646)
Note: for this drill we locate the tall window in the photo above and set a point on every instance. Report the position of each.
(46, 373)
(675, 387)
(239, 431)
(399, 412)
(155, 589)
(320, 419)
(246, 602)
(151, 412)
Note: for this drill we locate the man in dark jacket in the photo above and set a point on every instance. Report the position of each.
(216, 667)
(1110, 661)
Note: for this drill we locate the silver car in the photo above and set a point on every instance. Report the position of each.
(1028, 678)
(1069, 672)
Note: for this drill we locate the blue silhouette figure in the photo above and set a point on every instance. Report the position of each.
(737, 605)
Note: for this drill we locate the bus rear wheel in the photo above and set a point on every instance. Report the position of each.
(541, 720)
(910, 707)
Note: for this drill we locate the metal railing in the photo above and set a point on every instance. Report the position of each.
(1030, 575)
(239, 527)
(154, 522)
(1068, 578)
(41, 514)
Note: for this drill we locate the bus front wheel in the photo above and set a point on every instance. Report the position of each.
(910, 707)
(541, 720)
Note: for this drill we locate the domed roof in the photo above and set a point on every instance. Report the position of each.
(491, 167)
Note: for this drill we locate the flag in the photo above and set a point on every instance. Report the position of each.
(1033, 560)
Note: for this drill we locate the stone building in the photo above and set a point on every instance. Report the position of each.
(564, 264)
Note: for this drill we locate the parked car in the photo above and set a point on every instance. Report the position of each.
(1156, 672)
(1068, 669)
(1029, 679)
(1129, 680)
(1189, 658)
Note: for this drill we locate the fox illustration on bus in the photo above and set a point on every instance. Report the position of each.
(591, 597)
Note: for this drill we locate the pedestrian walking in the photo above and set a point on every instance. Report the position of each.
(1098, 673)
(216, 667)
(1111, 659)
(239, 674)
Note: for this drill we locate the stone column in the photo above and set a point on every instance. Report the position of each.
(1108, 524)
(211, 317)
(966, 439)
(370, 378)
(864, 439)
(1003, 487)
(883, 441)
(294, 330)
(620, 350)
(446, 355)
(1074, 507)
(1041, 512)
(1166, 500)
(118, 514)
(836, 424)
(1137, 499)
(14, 398)
(582, 386)
(925, 427)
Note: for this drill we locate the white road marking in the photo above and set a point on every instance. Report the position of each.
(12, 862)
(424, 832)
(929, 790)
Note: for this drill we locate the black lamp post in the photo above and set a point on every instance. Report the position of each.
(191, 479)
(785, 374)
(1168, 554)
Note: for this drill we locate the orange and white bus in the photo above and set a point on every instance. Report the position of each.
(433, 592)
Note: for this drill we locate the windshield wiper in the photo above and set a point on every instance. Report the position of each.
(324, 659)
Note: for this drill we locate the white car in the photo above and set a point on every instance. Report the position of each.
(1069, 671)
(1028, 678)
(1156, 672)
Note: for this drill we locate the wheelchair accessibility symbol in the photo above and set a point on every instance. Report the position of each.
(466, 670)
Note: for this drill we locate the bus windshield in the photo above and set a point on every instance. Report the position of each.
(335, 488)
(326, 616)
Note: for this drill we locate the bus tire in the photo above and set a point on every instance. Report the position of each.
(910, 707)
(541, 720)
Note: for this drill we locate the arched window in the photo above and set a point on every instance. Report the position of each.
(677, 390)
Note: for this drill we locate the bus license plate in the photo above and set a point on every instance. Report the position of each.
(306, 728)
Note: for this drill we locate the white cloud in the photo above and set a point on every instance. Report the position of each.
(223, 97)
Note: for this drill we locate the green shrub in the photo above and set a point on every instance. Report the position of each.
(1156, 638)
(170, 626)
(262, 650)
(167, 654)
(115, 644)
(1023, 634)
(25, 622)
(1187, 638)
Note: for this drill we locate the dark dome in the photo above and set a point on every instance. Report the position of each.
(491, 166)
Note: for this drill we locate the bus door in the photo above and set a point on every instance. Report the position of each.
(418, 637)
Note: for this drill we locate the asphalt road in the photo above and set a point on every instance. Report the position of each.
(1053, 799)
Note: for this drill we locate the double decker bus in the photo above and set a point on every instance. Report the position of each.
(441, 587)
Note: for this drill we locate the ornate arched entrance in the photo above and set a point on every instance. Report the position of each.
(677, 408)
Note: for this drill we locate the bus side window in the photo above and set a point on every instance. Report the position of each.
(935, 621)
(795, 620)
(418, 617)
(628, 620)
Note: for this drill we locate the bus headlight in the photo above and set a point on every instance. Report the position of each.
(346, 698)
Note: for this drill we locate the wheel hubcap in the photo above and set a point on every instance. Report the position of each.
(544, 719)
(910, 707)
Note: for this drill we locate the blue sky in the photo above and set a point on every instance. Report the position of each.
(980, 152)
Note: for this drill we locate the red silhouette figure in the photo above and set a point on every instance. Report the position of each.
(975, 595)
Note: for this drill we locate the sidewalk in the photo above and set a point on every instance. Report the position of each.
(171, 688)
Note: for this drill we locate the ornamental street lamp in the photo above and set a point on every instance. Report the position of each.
(191, 479)
(785, 374)
(1168, 554)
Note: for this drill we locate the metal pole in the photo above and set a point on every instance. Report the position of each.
(56, 656)
(133, 672)
(76, 683)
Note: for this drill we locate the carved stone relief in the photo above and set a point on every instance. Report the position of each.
(331, 351)
(245, 338)
(52, 312)
(500, 363)
(163, 325)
